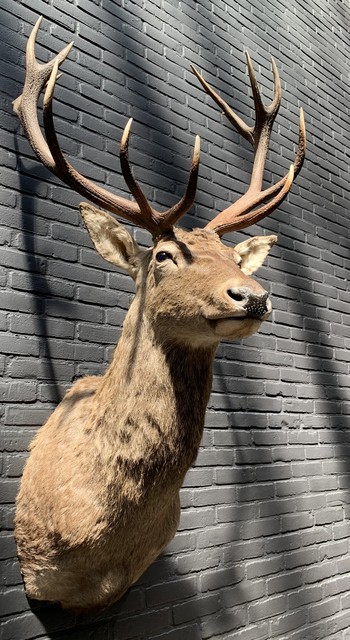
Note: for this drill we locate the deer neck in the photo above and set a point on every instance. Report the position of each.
(157, 386)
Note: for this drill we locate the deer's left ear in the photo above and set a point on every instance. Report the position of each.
(112, 241)
(253, 252)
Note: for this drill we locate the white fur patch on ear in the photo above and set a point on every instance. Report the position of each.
(112, 241)
(253, 252)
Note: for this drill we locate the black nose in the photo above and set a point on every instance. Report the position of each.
(256, 306)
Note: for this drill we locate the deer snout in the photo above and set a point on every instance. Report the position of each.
(254, 305)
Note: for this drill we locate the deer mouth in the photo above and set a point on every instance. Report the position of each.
(235, 326)
(258, 313)
(241, 325)
(247, 307)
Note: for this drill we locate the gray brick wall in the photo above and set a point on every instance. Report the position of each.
(263, 546)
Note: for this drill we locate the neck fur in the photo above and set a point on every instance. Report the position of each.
(158, 388)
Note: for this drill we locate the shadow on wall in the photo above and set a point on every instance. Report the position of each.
(135, 615)
(325, 367)
(38, 284)
(321, 321)
(317, 332)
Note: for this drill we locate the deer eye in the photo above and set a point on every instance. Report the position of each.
(161, 256)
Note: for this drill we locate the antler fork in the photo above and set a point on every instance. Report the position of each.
(49, 153)
(243, 212)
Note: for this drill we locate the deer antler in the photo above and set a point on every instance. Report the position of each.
(243, 212)
(49, 153)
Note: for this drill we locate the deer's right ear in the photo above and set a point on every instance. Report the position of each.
(111, 239)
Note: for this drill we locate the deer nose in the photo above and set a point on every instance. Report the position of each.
(255, 306)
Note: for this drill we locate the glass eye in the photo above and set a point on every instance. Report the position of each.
(161, 256)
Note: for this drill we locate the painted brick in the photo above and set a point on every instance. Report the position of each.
(192, 632)
(319, 572)
(288, 541)
(301, 558)
(341, 530)
(285, 582)
(208, 605)
(323, 610)
(172, 591)
(236, 513)
(339, 585)
(332, 514)
(261, 527)
(198, 561)
(275, 507)
(244, 591)
(228, 621)
(8, 548)
(262, 550)
(267, 609)
(145, 623)
(264, 567)
(333, 549)
(196, 518)
(212, 580)
(255, 632)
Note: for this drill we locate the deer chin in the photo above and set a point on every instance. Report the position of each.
(235, 328)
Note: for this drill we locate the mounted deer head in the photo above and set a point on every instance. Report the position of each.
(99, 498)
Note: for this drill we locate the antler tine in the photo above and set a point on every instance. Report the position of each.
(300, 154)
(263, 111)
(168, 218)
(264, 119)
(134, 187)
(239, 215)
(66, 172)
(25, 105)
(238, 123)
(172, 215)
(243, 212)
(49, 153)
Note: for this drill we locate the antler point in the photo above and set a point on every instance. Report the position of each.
(125, 137)
(195, 71)
(51, 84)
(197, 148)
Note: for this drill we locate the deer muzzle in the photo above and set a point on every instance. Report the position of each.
(253, 305)
(257, 306)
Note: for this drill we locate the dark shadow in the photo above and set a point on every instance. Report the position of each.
(38, 286)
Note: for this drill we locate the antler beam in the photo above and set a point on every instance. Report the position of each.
(49, 153)
(244, 211)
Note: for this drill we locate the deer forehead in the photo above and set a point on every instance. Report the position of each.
(196, 246)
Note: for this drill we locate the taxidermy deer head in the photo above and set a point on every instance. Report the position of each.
(99, 498)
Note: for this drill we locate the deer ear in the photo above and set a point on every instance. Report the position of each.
(111, 239)
(253, 252)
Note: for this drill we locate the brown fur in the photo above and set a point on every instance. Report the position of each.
(99, 498)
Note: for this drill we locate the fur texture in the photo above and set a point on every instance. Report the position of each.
(99, 498)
